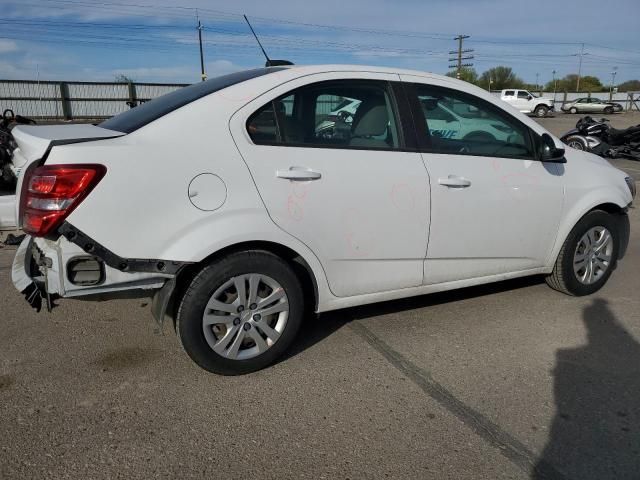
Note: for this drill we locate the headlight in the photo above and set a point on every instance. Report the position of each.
(631, 183)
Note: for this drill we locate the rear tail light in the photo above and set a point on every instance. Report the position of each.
(51, 192)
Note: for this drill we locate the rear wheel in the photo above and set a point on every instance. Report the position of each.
(573, 110)
(588, 256)
(240, 313)
(541, 111)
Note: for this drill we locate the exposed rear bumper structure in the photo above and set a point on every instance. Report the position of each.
(44, 270)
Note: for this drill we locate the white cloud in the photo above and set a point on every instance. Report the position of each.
(8, 46)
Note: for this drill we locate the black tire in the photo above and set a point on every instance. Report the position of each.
(578, 142)
(541, 111)
(189, 324)
(608, 110)
(573, 110)
(563, 277)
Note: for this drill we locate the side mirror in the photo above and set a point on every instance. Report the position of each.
(549, 152)
(529, 97)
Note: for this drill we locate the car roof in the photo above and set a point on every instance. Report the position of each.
(366, 68)
(311, 69)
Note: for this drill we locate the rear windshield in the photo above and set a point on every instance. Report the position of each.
(139, 116)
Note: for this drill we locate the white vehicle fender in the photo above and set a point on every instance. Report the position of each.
(588, 202)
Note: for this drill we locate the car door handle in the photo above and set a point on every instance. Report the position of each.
(298, 173)
(454, 181)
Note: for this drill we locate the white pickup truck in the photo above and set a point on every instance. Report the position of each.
(527, 102)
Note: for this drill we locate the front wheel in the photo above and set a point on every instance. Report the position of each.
(588, 256)
(541, 111)
(240, 313)
(577, 142)
(573, 110)
(608, 110)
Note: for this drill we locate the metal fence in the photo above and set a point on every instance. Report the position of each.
(48, 100)
(76, 100)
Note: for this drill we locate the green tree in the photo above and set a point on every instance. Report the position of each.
(501, 77)
(629, 86)
(569, 83)
(549, 86)
(467, 74)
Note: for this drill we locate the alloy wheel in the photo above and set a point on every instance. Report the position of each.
(245, 316)
(592, 257)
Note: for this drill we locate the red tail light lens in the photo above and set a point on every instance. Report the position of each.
(52, 192)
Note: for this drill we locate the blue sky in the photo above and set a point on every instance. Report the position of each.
(157, 40)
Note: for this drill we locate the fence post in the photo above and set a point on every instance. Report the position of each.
(133, 101)
(64, 100)
(564, 98)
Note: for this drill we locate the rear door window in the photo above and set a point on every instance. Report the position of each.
(346, 114)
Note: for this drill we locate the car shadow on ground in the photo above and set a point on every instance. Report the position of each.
(595, 433)
(316, 328)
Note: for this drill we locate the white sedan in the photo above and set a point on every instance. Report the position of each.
(225, 202)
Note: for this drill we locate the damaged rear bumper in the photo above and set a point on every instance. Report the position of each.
(45, 269)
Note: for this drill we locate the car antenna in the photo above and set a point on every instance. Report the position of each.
(269, 62)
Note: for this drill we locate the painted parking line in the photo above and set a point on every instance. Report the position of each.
(512, 448)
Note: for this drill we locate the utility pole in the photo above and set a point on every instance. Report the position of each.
(203, 75)
(555, 85)
(537, 77)
(580, 67)
(460, 56)
(613, 80)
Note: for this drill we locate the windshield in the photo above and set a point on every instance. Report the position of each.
(147, 112)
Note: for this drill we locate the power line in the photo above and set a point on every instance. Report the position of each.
(183, 10)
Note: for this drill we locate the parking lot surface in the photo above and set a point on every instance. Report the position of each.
(509, 380)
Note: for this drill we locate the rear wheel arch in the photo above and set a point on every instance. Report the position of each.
(300, 266)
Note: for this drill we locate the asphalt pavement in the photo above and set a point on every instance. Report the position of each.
(510, 380)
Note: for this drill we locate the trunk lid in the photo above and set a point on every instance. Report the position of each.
(34, 142)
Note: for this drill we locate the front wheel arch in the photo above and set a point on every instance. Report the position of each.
(563, 276)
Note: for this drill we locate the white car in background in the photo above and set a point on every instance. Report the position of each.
(527, 102)
(226, 204)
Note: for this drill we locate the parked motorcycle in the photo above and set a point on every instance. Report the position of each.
(599, 137)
